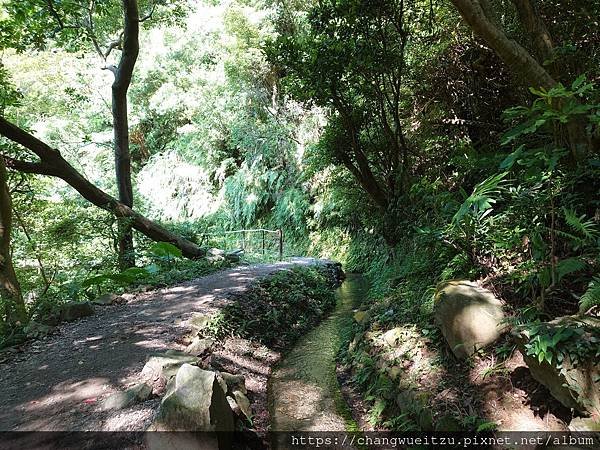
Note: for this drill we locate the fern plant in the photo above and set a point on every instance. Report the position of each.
(591, 297)
(479, 203)
(587, 229)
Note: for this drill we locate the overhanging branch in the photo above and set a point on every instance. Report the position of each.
(53, 164)
(37, 168)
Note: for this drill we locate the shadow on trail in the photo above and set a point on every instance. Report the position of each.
(56, 383)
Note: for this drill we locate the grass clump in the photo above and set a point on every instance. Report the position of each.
(277, 310)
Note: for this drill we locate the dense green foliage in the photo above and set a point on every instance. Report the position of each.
(555, 344)
(378, 133)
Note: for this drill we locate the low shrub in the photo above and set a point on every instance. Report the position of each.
(277, 310)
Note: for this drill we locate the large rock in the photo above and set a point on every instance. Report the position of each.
(469, 316)
(585, 424)
(194, 402)
(199, 321)
(108, 299)
(75, 310)
(233, 382)
(575, 384)
(38, 330)
(215, 255)
(199, 345)
(243, 403)
(161, 368)
(234, 256)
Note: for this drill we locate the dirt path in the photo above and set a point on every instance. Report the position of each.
(57, 383)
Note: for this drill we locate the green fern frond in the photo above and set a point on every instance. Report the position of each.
(591, 297)
(483, 197)
(587, 228)
(571, 237)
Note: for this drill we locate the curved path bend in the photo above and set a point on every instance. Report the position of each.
(56, 383)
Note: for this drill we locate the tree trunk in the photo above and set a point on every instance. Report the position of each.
(520, 61)
(53, 164)
(10, 290)
(535, 27)
(123, 175)
(123, 74)
(516, 57)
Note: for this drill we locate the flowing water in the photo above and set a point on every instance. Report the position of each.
(304, 394)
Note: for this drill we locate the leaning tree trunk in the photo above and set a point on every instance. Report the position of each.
(53, 164)
(10, 290)
(123, 74)
(518, 59)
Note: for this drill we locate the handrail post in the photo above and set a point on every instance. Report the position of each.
(281, 244)
(263, 242)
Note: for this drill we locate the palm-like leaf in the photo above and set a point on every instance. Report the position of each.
(569, 265)
(587, 228)
(481, 200)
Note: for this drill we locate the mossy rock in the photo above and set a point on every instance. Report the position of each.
(199, 322)
(75, 310)
(67, 312)
(199, 346)
(107, 300)
(38, 330)
(164, 366)
(123, 399)
(469, 317)
(576, 386)
(585, 424)
(194, 402)
(361, 317)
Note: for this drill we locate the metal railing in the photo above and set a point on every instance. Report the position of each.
(246, 240)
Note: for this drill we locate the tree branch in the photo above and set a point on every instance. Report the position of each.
(149, 15)
(38, 168)
(131, 32)
(55, 14)
(116, 44)
(536, 28)
(512, 53)
(111, 68)
(52, 163)
(33, 246)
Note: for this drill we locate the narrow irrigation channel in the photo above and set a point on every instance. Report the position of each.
(304, 394)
